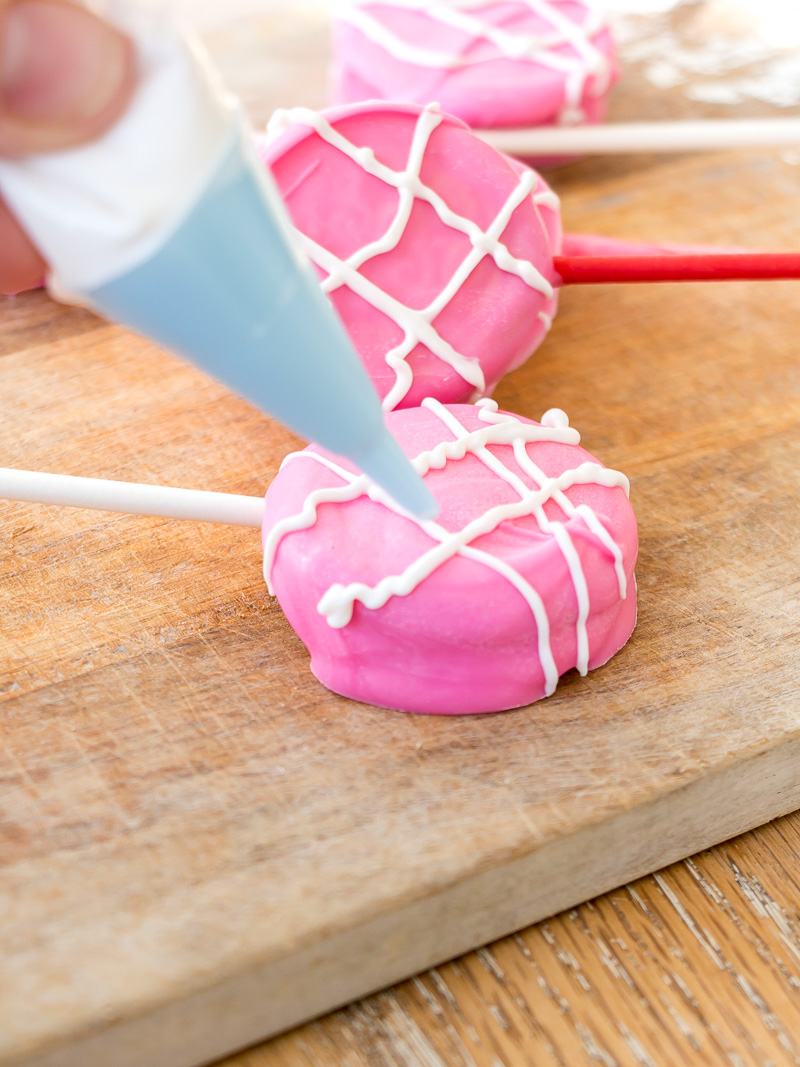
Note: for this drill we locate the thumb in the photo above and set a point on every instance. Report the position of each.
(65, 75)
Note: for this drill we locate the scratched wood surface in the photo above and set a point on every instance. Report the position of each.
(194, 832)
(699, 964)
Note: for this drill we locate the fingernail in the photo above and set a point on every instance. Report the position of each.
(58, 62)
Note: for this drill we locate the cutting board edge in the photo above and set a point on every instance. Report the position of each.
(249, 1007)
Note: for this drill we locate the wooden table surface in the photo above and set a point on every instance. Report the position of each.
(124, 638)
(699, 964)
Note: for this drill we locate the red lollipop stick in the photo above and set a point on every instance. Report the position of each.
(698, 267)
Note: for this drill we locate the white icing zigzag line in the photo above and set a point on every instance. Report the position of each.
(505, 432)
(539, 49)
(562, 534)
(577, 74)
(406, 181)
(547, 198)
(340, 273)
(430, 117)
(512, 45)
(557, 530)
(355, 486)
(417, 325)
(489, 414)
(338, 602)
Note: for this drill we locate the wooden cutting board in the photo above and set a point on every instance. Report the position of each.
(200, 845)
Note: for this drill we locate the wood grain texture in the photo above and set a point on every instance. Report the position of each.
(697, 965)
(197, 838)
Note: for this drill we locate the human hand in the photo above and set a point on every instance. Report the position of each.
(65, 78)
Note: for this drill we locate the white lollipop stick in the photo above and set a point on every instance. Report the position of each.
(131, 498)
(693, 136)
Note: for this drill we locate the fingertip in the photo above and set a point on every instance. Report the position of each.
(21, 265)
(65, 75)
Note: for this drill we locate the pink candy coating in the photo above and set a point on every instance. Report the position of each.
(465, 639)
(401, 51)
(494, 318)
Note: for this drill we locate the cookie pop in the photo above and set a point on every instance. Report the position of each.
(527, 574)
(443, 257)
(507, 63)
(531, 77)
(430, 244)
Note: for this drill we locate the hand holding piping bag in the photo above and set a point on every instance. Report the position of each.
(167, 223)
(65, 77)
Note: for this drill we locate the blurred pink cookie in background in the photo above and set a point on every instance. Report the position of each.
(507, 63)
(435, 249)
(527, 573)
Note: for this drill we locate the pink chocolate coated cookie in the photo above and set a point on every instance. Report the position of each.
(434, 248)
(507, 63)
(527, 573)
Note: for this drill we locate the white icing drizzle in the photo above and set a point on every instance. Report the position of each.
(547, 198)
(417, 325)
(555, 417)
(338, 602)
(542, 48)
(551, 417)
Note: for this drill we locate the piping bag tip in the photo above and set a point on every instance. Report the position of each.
(391, 469)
